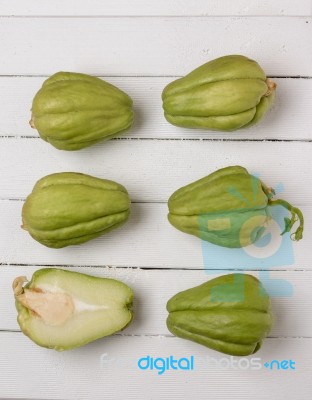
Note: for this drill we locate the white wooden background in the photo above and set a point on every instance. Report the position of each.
(141, 46)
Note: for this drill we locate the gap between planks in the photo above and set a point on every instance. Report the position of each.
(143, 268)
(178, 139)
(166, 335)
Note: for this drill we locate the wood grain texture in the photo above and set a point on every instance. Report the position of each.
(152, 291)
(152, 170)
(289, 118)
(107, 369)
(148, 240)
(141, 46)
(160, 7)
(152, 46)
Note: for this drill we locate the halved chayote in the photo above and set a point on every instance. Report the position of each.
(61, 310)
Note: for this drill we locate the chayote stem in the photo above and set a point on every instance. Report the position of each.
(32, 123)
(18, 285)
(268, 190)
(296, 215)
(271, 87)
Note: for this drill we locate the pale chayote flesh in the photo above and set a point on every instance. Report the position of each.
(229, 208)
(230, 314)
(225, 94)
(72, 111)
(70, 208)
(61, 310)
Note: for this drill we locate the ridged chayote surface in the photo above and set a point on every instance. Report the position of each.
(72, 111)
(230, 314)
(229, 208)
(225, 94)
(70, 208)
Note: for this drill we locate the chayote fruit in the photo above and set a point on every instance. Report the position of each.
(225, 94)
(72, 111)
(229, 208)
(61, 310)
(230, 314)
(69, 208)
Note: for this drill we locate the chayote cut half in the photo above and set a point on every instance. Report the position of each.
(61, 310)
(230, 314)
(225, 94)
(72, 111)
(229, 208)
(70, 208)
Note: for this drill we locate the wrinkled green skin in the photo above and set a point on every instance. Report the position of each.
(72, 111)
(69, 208)
(229, 195)
(230, 314)
(24, 313)
(225, 94)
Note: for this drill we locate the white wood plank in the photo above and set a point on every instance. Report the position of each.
(152, 170)
(152, 46)
(147, 240)
(161, 7)
(141, 55)
(153, 288)
(293, 103)
(80, 374)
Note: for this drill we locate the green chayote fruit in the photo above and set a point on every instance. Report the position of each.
(62, 310)
(72, 111)
(69, 208)
(229, 208)
(225, 94)
(230, 314)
